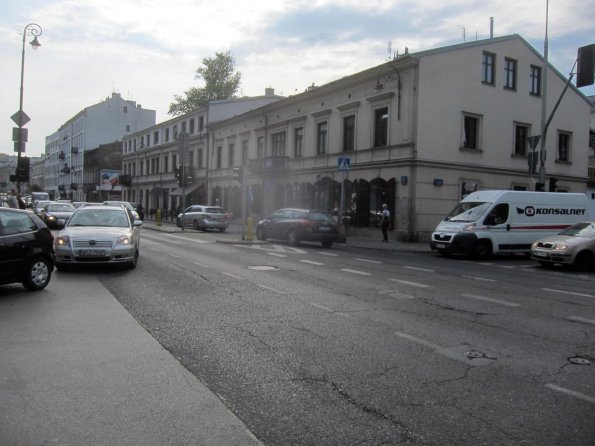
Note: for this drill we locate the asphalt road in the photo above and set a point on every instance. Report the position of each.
(343, 346)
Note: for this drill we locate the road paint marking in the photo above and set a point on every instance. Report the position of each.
(418, 340)
(311, 262)
(329, 310)
(203, 265)
(276, 254)
(270, 289)
(355, 271)
(396, 294)
(186, 239)
(581, 319)
(580, 396)
(332, 254)
(489, 299)
(321, 307)
(406, 282)
(567, 292)
(233, 275)
(369, 261)
(419, 269)
(483, 279)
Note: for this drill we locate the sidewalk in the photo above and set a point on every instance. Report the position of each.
(77, 369)
(233, 234)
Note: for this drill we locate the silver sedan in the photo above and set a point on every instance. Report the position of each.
(98, 235)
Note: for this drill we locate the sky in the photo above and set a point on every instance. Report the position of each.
(149, 50)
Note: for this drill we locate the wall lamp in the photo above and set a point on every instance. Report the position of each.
(388, 74)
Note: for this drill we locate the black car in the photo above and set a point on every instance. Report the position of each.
(56, 214)
(26, 249)
(299, 225)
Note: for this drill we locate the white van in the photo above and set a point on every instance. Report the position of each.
(503, 221)
(39, 196)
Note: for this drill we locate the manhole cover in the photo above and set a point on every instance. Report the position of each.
(473, 354)
(579, 360)
(262, 268)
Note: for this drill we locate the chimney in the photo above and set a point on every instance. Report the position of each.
(491, 27)
(269, 91)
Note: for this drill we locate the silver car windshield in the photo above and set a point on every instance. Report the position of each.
(580, 230)
(468, 211)
(94, 217)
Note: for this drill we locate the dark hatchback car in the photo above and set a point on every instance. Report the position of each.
(56, 214)
(299, 225)
(26, 249)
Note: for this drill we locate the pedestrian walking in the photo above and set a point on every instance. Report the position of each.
(12, 200)
(384, 222)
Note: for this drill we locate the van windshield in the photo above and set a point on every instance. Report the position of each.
(468, 211)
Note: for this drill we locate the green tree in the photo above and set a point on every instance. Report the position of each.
(221, 82)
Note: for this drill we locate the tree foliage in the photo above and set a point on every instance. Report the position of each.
(221, 82)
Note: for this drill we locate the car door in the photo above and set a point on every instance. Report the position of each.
(275, 224)
(17, 242)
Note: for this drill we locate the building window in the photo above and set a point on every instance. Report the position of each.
(488, 66)
(245, 153)
(155, 138)
(348, 133)
(535, 81)
(165, 163)
(521, 132)
(200, 163)
(471, 131)
(510, 73)
(563, 146)
(127, 127)
(166, 134)
(219, 156)
(125, 109)
(321, 138)
(381, 127)
(184, 126)
(148, 140)
(230, 155)
(191, 158)
(176, 131)
(192, 126)
(260, 147)
(201, 123)
(278, 144)
(298, 142)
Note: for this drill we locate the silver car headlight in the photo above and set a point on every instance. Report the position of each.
(124, 240)
(560, 246)
(62, 240)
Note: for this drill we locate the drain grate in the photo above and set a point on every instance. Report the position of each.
(580, 360)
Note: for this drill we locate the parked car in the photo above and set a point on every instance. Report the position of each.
(26, 249)
(56, 214)
(125, 204)
(99, 235)
(575, 246)
(203, 217)
(299, 225)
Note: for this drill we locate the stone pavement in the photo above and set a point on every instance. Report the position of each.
(233, 234)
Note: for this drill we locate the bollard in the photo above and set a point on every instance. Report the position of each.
(249, 228)
(158, 217)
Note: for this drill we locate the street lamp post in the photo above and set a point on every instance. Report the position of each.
(20, 118)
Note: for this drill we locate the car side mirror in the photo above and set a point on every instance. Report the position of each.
(60, 224)
(137, 223)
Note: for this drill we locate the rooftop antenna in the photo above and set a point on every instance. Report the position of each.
(389, 50)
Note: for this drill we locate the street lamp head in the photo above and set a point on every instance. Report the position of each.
(35, 43)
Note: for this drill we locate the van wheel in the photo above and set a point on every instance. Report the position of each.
(584, 261)
(483, 249)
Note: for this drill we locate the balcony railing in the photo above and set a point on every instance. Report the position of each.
(269, 164)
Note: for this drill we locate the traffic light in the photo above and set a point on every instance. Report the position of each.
(22, 172)
(177, 173)
(553, 182)
(238, 174)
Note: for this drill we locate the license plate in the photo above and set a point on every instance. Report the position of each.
(539, 254)
(440, 245)
(324, 228)
(91, 252)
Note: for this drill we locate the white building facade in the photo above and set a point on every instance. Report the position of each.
(102, 123)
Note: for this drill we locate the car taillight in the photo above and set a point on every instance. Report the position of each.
(307, 224)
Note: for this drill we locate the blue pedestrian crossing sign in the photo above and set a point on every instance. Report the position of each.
(344, 164)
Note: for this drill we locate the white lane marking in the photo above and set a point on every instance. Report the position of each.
(567, 292)
(369, 261)
(202, 265)
(233, 275)
(332, 254)
(406, 282)
(355, 271)
(418, 340)
(419, 269)
(489, 299)
(581, 319)
(483, 279)
(276, 254)
(270, 289)
(580, 396)
(186, 239)
(311, 262)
